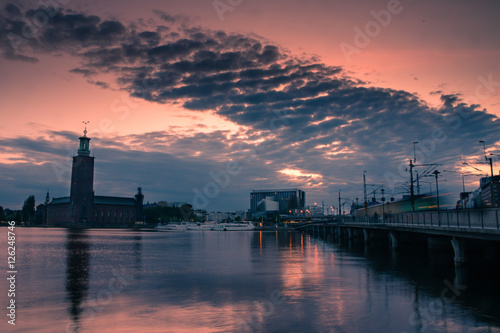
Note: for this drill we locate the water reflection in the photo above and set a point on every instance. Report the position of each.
(248, 281)
(444, 297)
(137, 252)
(77, 272)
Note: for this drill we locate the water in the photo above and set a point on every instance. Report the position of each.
(129, 281)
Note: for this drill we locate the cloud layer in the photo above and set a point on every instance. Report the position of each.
(294, 113)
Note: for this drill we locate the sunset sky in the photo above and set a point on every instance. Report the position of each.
(222, 97)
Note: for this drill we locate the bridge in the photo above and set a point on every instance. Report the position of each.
(462, 230)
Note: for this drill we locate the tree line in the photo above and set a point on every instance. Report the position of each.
(26, 214)
(162, 213)
(165, 214)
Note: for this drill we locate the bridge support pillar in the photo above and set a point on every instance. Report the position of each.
(394, 236)
(337, 233)
(366, 235)
(459, 249)
(350, 233)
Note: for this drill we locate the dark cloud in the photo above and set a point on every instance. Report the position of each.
(84, 72)
(449, 100)
(101, 84)
(12, 11)
(303, 114)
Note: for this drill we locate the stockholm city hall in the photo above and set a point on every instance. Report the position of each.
(82, 208)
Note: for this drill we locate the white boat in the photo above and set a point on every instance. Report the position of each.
(172, 227)
(200, 226)
(236, 226)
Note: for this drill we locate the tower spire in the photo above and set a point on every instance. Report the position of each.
(84, 149)
(85, 130)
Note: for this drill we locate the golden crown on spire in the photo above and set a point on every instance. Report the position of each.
(85, 130)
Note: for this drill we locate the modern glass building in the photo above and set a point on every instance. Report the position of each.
(289, 200)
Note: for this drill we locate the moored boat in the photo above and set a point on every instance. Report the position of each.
(200, 226)
(236, 226)
(172, 227)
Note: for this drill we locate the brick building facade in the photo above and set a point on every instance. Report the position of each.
(83, 208)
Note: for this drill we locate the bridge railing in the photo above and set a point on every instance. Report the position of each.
(469, 218)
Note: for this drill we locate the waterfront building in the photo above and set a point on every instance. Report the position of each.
(484, 195)
(224, 216)
(282, 201)
(315, 210)
(83, 208)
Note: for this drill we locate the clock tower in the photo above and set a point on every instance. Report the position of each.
(82, 183)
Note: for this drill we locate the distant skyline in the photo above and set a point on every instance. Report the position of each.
(205, 101)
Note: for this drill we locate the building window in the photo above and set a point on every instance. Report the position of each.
(121, 213)
(109, 213)
(115, 213)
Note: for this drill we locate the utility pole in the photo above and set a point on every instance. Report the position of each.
(490, 160)
(436, 173)
(493, 202)
(414, 152)
(418, 183)
(463, 188)
(340, 207)
(364, 192)
(412, 193)
(383, 205)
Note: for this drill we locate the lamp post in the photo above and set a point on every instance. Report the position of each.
(340, 206)
(436, 173)
(490, 160)
(364, 193)
(414, 152)
(412, 193)
(383, 206)
(463, 183)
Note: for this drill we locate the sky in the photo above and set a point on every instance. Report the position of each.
(204, 101)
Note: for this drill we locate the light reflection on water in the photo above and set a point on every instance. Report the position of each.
(125, 281)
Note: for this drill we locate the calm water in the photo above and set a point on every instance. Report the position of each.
(126, 281)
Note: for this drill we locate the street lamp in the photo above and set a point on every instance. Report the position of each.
(463, 183)
(463, 177)
(414, 152)
(484, 147)
(412, 193)
(383, 205)
(436, 173)
(490, 160)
